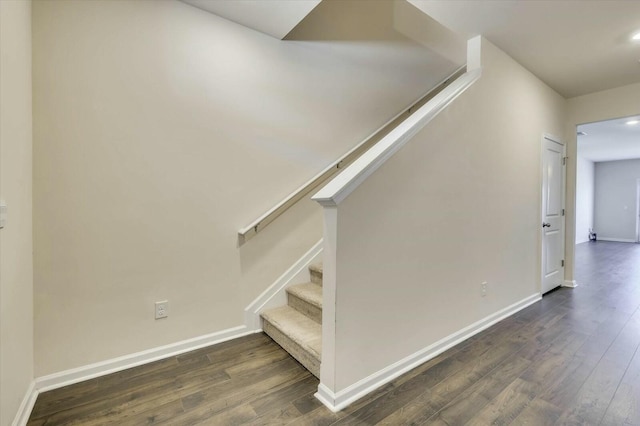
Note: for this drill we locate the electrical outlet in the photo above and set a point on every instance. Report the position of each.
(162, 309)
(483, 289)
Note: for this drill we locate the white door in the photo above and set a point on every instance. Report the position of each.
(552, 214)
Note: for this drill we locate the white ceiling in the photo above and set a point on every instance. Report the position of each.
(576, 47)
(610, 140)
(273, 17)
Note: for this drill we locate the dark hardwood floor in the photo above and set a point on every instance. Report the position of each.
(570, 359)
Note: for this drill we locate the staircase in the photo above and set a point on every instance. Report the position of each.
(297, 327)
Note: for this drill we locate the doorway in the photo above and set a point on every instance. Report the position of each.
(607, 213)
(608, 181)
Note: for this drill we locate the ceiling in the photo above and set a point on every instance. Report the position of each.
(610, 140)
(399, 20)
(576, 47)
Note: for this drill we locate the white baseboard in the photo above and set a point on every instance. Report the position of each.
(328, 398)
(68, 377)
(569, 283)
(336, 401)
(24, 411)
(275, 295)
(582, 241)
(76, 375)
(616, 240)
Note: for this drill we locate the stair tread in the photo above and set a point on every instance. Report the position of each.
(316, 267)
(301, 329)
(309, 292)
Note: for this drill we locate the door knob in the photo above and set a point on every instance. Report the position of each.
(546, 225)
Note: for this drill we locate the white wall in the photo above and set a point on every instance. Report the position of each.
(599, 106)
(584, 199)
(615, 199)
(16, 261)
(159, 131)
(458, 205)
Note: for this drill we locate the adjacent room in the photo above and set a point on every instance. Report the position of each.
(608, 205)
(608, 181)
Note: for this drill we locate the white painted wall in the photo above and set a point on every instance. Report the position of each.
(458, 205)
(615, 199)
(599, 106)
(584, 199)
(16, 260)
(159, 131)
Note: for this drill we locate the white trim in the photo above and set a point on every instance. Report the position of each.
(26, 407)
(328, 398)
(330, 237)
(87, 372)
(637, 240)
(346, 182)
(553, 138)
(75, 375)
(582, 242)
(339, 400)
(616, 240)
(275, 295)
(570, 284)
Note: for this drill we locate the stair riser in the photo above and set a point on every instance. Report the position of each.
(303, 357)
(316, 276)
(305, 308)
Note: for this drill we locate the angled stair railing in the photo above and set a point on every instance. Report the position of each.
(302, 324)
(269, 216)
(342, 185)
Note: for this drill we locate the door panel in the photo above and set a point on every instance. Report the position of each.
(554, 178)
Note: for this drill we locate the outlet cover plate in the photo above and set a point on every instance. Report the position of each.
(162, 309)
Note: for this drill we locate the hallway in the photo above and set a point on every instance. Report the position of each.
(570, 359)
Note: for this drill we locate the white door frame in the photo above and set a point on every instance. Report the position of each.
(552, 138)
(637, 210)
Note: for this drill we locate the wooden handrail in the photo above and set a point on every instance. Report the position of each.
(339, 188)
(269, 216)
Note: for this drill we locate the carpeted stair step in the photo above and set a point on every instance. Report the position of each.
(316, 273)
(306, 299)
(297, 334)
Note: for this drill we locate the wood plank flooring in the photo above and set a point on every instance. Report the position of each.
(570, 359)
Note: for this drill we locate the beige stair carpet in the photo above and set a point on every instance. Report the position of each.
(297, 327)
